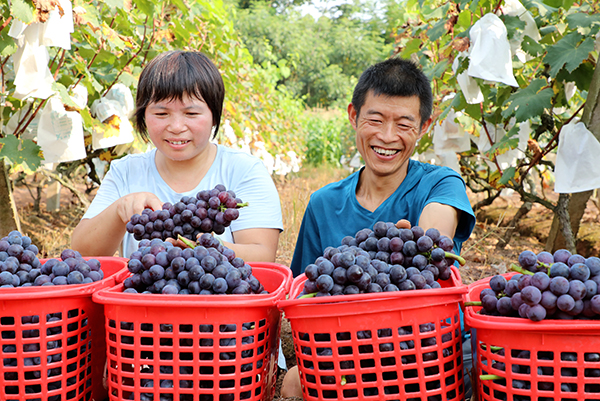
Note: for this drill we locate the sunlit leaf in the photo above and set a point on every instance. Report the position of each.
(64, 95)
(18, 152)
(23, 10)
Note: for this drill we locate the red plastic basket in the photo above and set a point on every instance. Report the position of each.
(52, 339)
(548, 360)
(190, 347)
(384, 346)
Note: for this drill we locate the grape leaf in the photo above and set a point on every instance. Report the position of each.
(582, 20)
(64, 95)
(23, 10)
(581, 75)
(532, 47)
(543, 8)
(529, 102)
(18, 152)
(507, 175)
(145, 6)
(566, 53)
(513, 25)
(7, 46)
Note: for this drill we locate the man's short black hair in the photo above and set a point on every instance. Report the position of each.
(394, 77)
(173, 74)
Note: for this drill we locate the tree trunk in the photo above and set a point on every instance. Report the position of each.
(9, 219)
(578, 201)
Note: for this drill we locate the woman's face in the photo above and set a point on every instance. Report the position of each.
(180, 129)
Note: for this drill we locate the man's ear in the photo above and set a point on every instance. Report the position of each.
(352, 115)
(425, 127)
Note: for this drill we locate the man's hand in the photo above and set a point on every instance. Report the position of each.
(403, 223)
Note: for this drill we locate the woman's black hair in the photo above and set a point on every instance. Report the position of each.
(173, 74)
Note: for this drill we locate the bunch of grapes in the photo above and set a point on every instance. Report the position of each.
(381, 260)
(210, 268)
(20, 266)
(547, 286)
(209, 211)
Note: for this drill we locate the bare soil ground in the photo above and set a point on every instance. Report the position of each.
(51, 231)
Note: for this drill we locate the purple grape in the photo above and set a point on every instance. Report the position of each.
(540, 280)
(498, 283)
(536, 313)
(559, 285)
(565, 303)
(527, 259)
(531, 295)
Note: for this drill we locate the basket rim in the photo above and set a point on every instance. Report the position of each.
(458, 288)
(71, 290)
(115, 296)
(477, 321)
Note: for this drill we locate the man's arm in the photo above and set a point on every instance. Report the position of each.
(443, 217)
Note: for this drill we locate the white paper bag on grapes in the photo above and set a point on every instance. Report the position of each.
(576, 168)
(60, 133)
(490, 56)
(449, 135)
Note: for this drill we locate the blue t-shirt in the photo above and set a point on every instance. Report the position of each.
(333, 211)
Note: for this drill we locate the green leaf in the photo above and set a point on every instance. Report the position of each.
(64, 95)
(544, 9)
(90, 17)
(581, 75)
(114, 3)
(582, 20)
(464, 19)
(23, 10)
(531, 47)
(411, 47)
(513, 25)
(568, 52)
(18, 152)
(145, 6)
(437, 31)
(507, 175)
(8, 46)
(529, 102)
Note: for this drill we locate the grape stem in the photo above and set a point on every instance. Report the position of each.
(473, 303)
(491, 377)
(343, 381)
(311, 295)
(519, 269)
(186, 241)
(222, 208)
(461, 261)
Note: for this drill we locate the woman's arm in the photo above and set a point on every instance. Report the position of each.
(255, 244)
(102, 234)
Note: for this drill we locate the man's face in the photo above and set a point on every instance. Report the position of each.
(387, 131)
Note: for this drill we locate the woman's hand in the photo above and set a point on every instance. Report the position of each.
(135, 203)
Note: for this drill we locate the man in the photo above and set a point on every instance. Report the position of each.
(390, 111)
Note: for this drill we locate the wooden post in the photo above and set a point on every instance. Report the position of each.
(53, 196)
(9, 218)
(578, 201)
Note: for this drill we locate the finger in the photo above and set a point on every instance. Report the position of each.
(403, 223)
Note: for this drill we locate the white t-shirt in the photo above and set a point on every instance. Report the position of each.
(245, 174)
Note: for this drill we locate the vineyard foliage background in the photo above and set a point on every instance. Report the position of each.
(289, 78)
